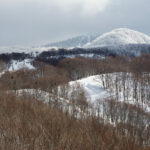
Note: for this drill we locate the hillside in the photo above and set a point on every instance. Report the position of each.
(88, 101)
(117, 37)
(78, 41)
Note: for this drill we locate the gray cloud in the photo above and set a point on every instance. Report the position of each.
(34, 22)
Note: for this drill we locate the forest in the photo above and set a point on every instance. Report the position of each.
(41, 110)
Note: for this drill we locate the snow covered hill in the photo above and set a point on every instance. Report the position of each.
(122, 42)
(78, 41)
(117, 37)
(100, 88)
(121, 38)
(93, 87)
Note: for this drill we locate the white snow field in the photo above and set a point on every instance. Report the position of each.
(117, 37)
(16, 65)
(93, 88)
(27, 50)
(96, 89)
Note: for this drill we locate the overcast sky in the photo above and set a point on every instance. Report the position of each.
(36, 22)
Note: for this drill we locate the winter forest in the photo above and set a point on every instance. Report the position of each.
(77, 104)
(74, 75)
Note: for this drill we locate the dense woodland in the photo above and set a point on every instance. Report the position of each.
(70, 122)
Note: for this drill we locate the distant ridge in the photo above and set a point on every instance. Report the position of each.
(78, 41)
(118, 42)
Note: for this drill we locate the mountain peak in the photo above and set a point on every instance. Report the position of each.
(122, 29)
(120, 36)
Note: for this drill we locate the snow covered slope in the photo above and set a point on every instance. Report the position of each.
(78, 41)
(27, 50)
(93, 87)
(117, 37)
(96, 89)
(123, 41)
(15, 65)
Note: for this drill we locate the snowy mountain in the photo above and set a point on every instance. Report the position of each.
(122, 42)
(118, 37)
(78, 41)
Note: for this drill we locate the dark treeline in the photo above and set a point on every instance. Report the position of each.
(76, 68)
(54, 56)
(76, 51)
(130, 50)
(57, 54)
(82, 67)
(14, 56)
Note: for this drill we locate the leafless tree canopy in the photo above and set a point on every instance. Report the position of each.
(67, 121)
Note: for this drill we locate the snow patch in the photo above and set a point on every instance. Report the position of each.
(93, 89)
(16, 65)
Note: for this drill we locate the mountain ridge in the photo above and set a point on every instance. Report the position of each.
(77, 41)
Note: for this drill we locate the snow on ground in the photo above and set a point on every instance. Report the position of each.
(48, 98)
(35, 93)
(93, 89)
(27, 50)
(121, 36)
(77, 41)
(96, 94)
(1, 73)
(16, 65)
